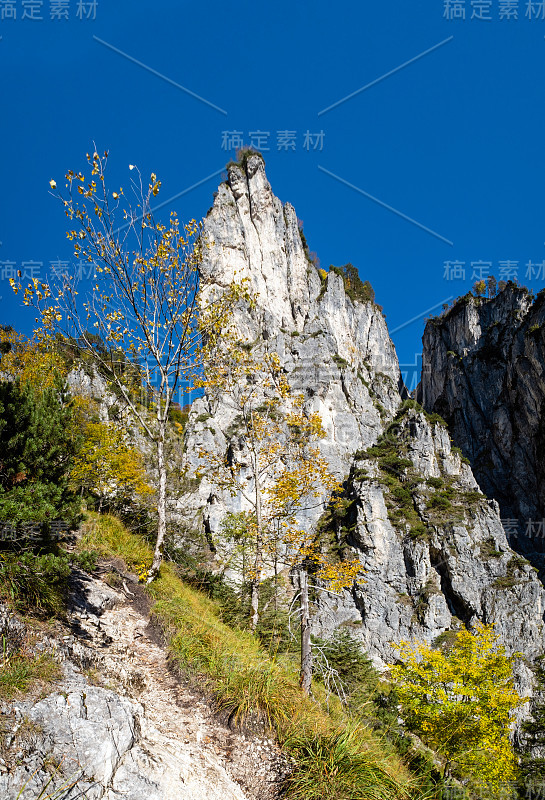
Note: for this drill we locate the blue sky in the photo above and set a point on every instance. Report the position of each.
(453, 140)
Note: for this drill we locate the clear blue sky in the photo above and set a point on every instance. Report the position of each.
(454, 140)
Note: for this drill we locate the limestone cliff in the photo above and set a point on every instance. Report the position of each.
(483, 370)
(334, 349)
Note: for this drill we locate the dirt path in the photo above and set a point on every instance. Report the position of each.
(129, 657)
(119, 724)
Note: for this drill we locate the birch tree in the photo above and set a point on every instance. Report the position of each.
(143, 302)
(253, 389)
(273, 462)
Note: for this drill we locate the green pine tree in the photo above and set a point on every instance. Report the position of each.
(37, 445)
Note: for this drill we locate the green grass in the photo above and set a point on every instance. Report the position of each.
(60, 792)
(333, 757)
(336, 766)
(20, 671)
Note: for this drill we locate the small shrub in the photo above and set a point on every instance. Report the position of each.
(458, 452)
(394, 463)
(402, 495)
(85, 560)
(243, 154)
(436, 419)
(355, 288)
(340, 362)
(408, 405)
(439, 502)
(418, 531)
(473, 496)
(343, 653)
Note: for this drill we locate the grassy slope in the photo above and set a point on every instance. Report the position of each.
(335, 758)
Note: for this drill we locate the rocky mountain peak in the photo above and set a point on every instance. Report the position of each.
(251, 234)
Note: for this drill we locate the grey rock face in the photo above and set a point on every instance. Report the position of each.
(483, 370)
(458, 569)
(107, 750)
(92, 385)
(88, 729)
(337, 351)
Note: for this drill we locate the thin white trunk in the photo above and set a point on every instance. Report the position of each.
(305, 679)
(256, 580)
(161, 503)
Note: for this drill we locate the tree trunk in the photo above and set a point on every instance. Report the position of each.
(256, 580)
(305, 679)
(161, 504)
(276, 582)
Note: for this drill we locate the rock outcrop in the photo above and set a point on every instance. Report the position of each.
(333, 348)
(432, 545)
(483, 370)
(434, 551)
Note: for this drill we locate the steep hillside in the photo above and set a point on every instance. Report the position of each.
(111, 689)
(169, 706)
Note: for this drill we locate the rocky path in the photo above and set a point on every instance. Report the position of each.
(120, 724)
